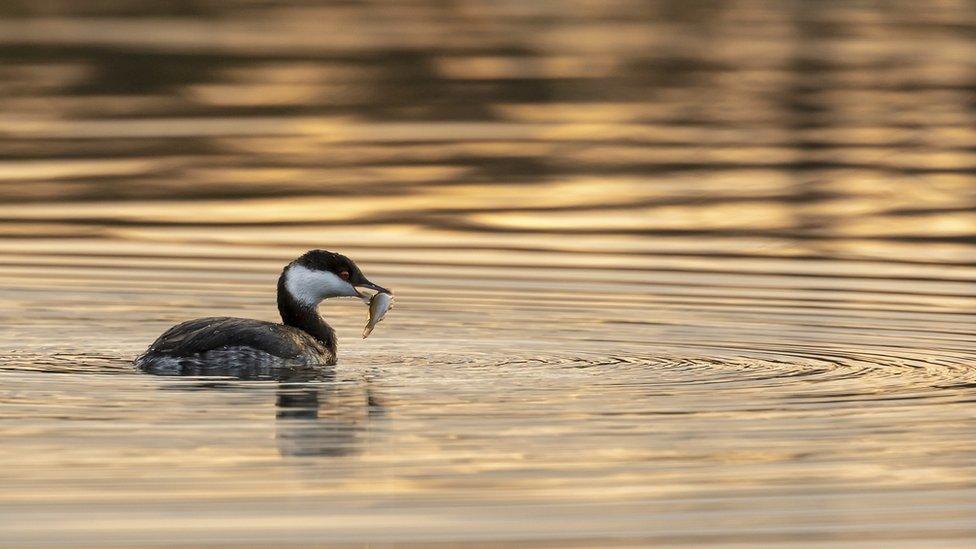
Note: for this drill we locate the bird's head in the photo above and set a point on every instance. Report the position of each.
(320, 274)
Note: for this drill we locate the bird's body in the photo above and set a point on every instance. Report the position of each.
(303, 338)
(227, 336)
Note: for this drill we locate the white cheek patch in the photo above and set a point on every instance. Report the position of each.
(310, 287)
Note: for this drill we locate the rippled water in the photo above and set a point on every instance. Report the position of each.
(669, 272)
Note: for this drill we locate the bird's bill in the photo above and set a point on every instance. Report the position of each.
(370, 286)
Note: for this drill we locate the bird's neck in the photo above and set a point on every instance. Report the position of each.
(304, 316)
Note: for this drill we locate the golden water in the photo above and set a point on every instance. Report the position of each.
(670, 272)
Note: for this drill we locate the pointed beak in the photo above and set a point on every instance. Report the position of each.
(370, 286)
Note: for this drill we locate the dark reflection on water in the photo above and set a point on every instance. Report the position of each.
(315, 415)
(324, 420)
(659, 265)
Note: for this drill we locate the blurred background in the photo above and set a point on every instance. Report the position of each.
(728, 247)
(820, 128)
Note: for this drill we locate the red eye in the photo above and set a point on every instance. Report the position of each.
(344, 275)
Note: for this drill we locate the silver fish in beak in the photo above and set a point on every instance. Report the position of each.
(379, 304)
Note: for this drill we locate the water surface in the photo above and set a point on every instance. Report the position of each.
(669, 272)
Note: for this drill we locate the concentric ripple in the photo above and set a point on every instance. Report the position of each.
(800, 374)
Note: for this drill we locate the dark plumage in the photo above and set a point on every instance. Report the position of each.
(303, 338)
(206, 334)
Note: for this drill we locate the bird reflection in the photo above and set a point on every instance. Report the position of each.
(315, 414)
(323, 420)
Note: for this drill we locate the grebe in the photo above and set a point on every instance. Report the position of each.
(303, 337)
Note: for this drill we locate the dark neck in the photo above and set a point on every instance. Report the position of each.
(304, 317)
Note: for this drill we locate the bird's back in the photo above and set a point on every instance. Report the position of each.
(219, 335)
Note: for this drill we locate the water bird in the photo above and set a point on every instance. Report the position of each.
(302, 338)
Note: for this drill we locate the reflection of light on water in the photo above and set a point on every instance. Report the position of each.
(695, 217)
(658, 265)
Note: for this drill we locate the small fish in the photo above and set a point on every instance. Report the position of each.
(379, 304)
